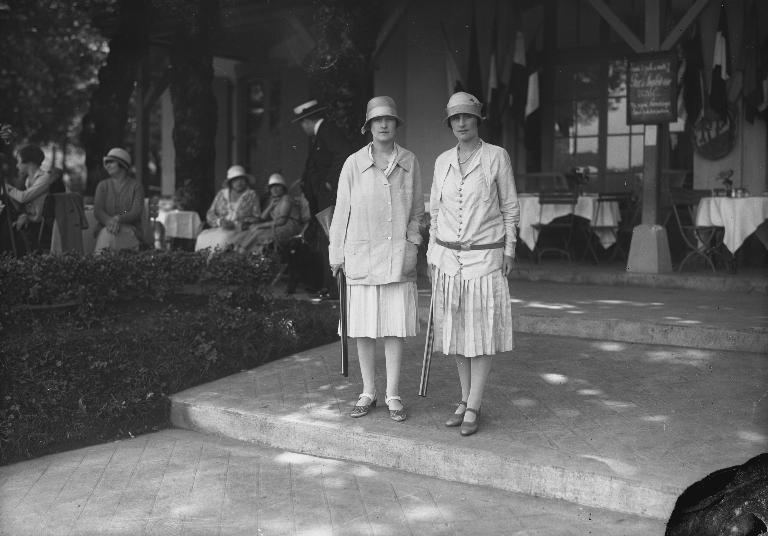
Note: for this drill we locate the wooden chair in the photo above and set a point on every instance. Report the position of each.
(628, 213)
(561, 229)
(705, 242)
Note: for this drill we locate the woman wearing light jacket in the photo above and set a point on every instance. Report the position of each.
(474, 214)
(374, 238)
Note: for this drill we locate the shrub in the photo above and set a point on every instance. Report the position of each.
(67, 380)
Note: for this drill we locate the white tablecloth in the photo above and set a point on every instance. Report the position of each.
(531, 214)
(739, 216)
(180, 223)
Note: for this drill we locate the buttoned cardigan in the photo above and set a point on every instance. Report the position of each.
(375, 226)
(479, 207)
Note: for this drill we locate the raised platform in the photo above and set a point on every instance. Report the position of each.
(600, 423)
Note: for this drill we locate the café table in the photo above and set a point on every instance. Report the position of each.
(184, 224)
(738, 216)
(531, 213)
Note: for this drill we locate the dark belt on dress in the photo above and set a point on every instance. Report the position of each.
(466, 246)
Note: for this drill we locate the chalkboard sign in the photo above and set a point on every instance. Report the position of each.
(652, 89)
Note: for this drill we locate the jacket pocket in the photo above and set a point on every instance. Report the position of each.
(356, 260)
(410, 255)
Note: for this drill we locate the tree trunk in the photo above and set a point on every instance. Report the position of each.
(194, 105)
(103, 127)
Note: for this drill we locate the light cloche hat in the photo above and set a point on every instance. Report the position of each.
(276, 178)
(120, 156)
(463, 103)
(380, 107)
(236, 172)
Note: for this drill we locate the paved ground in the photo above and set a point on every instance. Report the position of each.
(183, 483)
(597, 421)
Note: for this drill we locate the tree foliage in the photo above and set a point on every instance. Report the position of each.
(50, 53)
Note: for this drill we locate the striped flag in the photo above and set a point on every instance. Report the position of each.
(721, 68)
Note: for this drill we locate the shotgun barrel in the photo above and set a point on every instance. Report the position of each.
(341, 280)
(427, 359)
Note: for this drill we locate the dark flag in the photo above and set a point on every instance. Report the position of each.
(493, 112)
(454, 81)
(518, 79)
(693, 83)
(474, 76)
(754, 66)
(721, 68)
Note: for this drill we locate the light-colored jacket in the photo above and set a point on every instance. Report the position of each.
(375, 226)
(33, 197)
(480, 208)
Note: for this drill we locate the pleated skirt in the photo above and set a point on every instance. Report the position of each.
(472, 317)
(389, 310)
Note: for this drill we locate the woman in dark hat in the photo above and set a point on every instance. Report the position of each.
(374, 238)
(474, 215)
(118, 205)
(234, 207)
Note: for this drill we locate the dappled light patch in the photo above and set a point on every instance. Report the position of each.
(655, 418)
(752, 437)
(590, 392)
(609, 346)
(614, 465)
(524, 402)
(683, 356)
(618, 404)
(554, 379)
(551, 306)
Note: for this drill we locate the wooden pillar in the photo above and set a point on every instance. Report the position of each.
(141, 142)
(649, 250)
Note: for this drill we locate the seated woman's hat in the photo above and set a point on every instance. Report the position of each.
(120, 156)
(380, 107)
(276, 178)
(463, 103)
(236, 172)
(307, 109)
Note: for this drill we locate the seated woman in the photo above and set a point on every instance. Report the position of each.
(280, 219)
(235, 207)
(118, 205)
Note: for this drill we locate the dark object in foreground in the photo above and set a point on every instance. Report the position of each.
(342, 282)
(427, 359)
(732, 501)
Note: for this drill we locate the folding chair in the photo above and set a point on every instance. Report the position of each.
(700, 241)
(626, 210)
(562, 226)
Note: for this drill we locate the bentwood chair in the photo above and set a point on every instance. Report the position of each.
(556, 236)
(705, 242)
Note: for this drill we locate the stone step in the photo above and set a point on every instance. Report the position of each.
(669, 317)
(625, 427)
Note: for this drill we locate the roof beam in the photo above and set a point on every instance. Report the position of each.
(618, 25)
(684, 23)
(389, 27)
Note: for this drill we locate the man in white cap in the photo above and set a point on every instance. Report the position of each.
(328, 149)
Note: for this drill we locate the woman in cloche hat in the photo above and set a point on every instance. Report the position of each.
(374, 238)
(474, 212)
(118, 205)
(281, 219)
(235, 206)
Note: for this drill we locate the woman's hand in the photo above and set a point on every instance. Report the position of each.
(227, 224)
(507, 265)
(113, 225)
(336, 268)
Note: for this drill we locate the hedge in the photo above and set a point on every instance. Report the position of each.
(103, 368)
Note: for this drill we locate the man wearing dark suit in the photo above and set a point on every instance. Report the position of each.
(329, 148)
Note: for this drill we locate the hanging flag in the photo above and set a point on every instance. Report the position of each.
(693, 82)
(518, 78)
(532, 95)
(492, 113)
(721, 68)
(754, 72)
(474, 76)
(454, 81)
(682, 114)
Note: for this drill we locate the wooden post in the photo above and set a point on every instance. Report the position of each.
(141, 143)
(649, 250)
